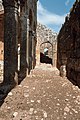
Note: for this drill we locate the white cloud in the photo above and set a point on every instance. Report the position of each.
(48, 18)
(67, 2)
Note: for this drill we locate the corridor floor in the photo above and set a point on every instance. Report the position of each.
(43, 95)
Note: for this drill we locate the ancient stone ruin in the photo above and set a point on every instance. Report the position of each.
(69, 44)
(18, 20)
(46, 45)
(24, 43)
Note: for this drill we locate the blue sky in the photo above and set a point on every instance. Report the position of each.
(52, 12)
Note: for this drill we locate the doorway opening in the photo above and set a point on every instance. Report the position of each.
(46, 55)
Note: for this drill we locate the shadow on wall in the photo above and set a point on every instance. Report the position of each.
(45, 59)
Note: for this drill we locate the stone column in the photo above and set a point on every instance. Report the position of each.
(30, 50)
(23, 42)
(33, 48)
(34, 54)
(34, 51)
(34, 41)
(38, 53)
(27, 46)
(54, 54)
(10, 41)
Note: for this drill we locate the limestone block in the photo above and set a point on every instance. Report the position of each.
(63, 71)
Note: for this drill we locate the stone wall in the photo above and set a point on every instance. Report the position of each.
(18, 32)
(1, 35)
(46, 38)
(69, 44)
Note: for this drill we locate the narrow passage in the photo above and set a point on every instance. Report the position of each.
(43, 95)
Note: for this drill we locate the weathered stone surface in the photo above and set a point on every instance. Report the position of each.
(15, 32)
(69, 44)
(10, 41)
(46, 39)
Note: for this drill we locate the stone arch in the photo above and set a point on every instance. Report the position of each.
(46, 35)
(46, 52)
(46, 42)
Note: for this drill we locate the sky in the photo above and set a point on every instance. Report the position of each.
(52, 12)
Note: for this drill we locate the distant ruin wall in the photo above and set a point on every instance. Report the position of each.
(46, 38)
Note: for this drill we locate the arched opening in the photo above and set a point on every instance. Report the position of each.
(46, 53)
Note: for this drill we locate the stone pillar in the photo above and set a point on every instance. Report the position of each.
(33, 48)
(10, 41)
(55, 54)
(27, 46)
(38, 53)
(34, 52)
(30, 50)
(23, 41)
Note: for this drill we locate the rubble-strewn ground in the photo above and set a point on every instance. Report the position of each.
(43, 95)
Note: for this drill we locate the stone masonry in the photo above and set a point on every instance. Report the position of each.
(46, 38)
(18, 20)
(27, 54)
(69, 44)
